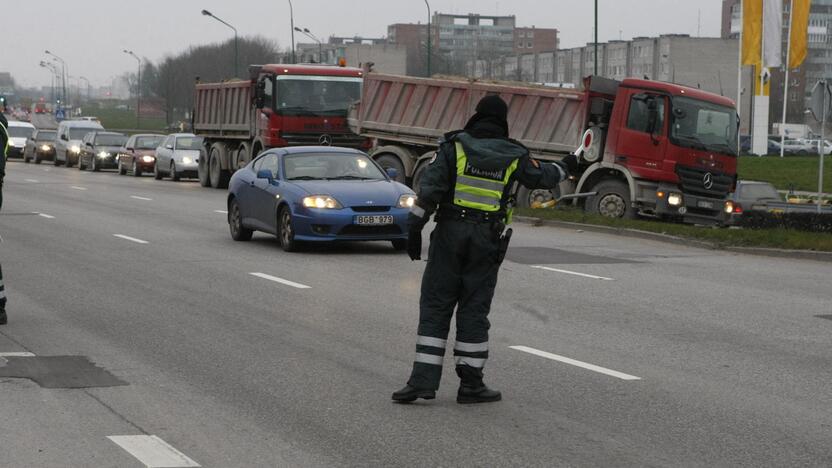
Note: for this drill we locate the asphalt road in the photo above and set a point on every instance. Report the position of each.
(658, 355)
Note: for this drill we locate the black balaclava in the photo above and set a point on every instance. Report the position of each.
(490, 119)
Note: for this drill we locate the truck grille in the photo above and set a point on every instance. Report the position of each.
(692, 180)
(348, 140)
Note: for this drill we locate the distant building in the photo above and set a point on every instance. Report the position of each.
(535, 40)
(6, 84)
(462, 38)
(413, 37)
(387, 58)
(335, 40)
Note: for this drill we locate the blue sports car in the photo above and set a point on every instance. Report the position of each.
(318, 193)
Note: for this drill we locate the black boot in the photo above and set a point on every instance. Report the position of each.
(472, 389)
(409, 394)
(3, 318)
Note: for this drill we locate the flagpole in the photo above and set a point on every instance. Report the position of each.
(786, 86)
(739, 79)
(762, 64)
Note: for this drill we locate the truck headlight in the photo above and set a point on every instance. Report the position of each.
(322, 202)
(674, 199)
(729, 207)
(187, 160)
(406, 201)
(75, 149)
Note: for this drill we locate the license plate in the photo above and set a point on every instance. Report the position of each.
(374, 220)
(705, 204)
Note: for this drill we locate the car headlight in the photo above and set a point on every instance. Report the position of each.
(674, 199)
(147, 158)
(75, 149)
(187, 160)
(406, 201)
(44, 147)
(321, 201)
(729, 207)
(103, 154)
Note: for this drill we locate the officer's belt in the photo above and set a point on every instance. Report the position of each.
(453, 213)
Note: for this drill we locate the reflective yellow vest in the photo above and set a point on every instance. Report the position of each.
(480, 189)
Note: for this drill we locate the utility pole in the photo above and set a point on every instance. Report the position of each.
(429, 37)
(595, 61)
(138, 85)
(292, 27)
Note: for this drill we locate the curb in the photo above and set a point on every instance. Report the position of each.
(668, 239)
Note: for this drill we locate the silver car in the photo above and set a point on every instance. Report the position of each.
(178, 156)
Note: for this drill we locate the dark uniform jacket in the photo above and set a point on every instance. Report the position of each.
(436, 187)
(3, 141)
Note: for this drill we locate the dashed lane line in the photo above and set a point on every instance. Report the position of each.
(280, 280)
(17, 354)
(152, 451)
(43, 215)
(131, 239)
(221, 211)
(141, 198)
(574, 273)
(77, 187)
(575, 362)
(31, 180)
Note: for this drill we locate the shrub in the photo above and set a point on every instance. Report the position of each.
(799, 221)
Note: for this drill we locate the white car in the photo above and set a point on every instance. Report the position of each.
(19, 132)
(68, 140)
(815, 146)
(800, 147)
(178, 156)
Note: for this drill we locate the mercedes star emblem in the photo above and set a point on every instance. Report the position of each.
(325, 140)
(708, 180)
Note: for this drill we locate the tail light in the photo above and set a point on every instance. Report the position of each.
(737, 208)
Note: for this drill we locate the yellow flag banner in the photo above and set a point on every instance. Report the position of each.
(752, 31)
(798, 48)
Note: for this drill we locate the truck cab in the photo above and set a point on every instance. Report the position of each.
(669, 151)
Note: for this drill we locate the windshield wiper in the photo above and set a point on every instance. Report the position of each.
(731, 150)
(697, 143)
(304, 177)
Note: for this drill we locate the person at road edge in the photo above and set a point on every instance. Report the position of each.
(470, 183)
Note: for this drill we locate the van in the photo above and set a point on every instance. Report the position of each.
(68, 140)
(19, 132)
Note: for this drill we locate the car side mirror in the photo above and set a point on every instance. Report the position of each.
(64, 138)
(170, 147)
(265, 174)
(392, 173)
(89, 144)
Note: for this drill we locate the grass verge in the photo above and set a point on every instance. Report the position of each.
(126, 119)
(800, 171)
(721, 237)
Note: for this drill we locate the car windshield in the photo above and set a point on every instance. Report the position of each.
(77, 133)
(21, 132)
(758, 191)
(332, 166)
(698, 124)
(148, 142)
(110, 140)
(316, 95)
(188, 143)
(46, 136)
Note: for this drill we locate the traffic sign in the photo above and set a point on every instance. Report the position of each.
(59, 114)
(821, 101)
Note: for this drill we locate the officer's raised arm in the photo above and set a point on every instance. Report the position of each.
(534, 174)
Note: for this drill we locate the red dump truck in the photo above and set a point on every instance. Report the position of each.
(280, 105)
(646, 147)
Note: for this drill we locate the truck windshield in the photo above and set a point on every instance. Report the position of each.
(316, 95)
(704, 125)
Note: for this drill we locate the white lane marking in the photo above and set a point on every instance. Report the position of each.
(77, 188)
(17, 354)
(280, 280)
(575, 362)
(31, 180)
(221, 211)
(141, 198)
(573, 273)
(131, 239)
(44, 215)
(152, 451)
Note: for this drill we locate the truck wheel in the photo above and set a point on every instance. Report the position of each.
(202, 170)
(219, 177)
(417, 176)
(387, 161)
(527, 198)
(612, 200)
(243, 155)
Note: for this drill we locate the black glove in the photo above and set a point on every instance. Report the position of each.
(414, 243)
(571, 163)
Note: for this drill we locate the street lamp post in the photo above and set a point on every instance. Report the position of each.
(53, 75)
(236, 50)
(138, 84)
(64, 72)
(596, 39)
(312, 36)
(292, 27)
(429, 38)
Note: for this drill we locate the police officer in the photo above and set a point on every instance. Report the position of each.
(4, 148)
(471, 180)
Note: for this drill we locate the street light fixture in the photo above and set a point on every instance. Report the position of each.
(236, 50)
(312, 36)
(64, 73)
(429, 34)
(138, 84)
(53, 75)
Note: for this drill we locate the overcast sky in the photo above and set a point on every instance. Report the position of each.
(91, 34)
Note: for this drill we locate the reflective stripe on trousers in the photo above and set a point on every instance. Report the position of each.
(471, 354)
(430, 350)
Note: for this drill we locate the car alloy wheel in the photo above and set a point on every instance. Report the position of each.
(172, 174)
(235, 223)
(286, 234)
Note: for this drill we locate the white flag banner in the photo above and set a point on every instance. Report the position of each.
(772, 33)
